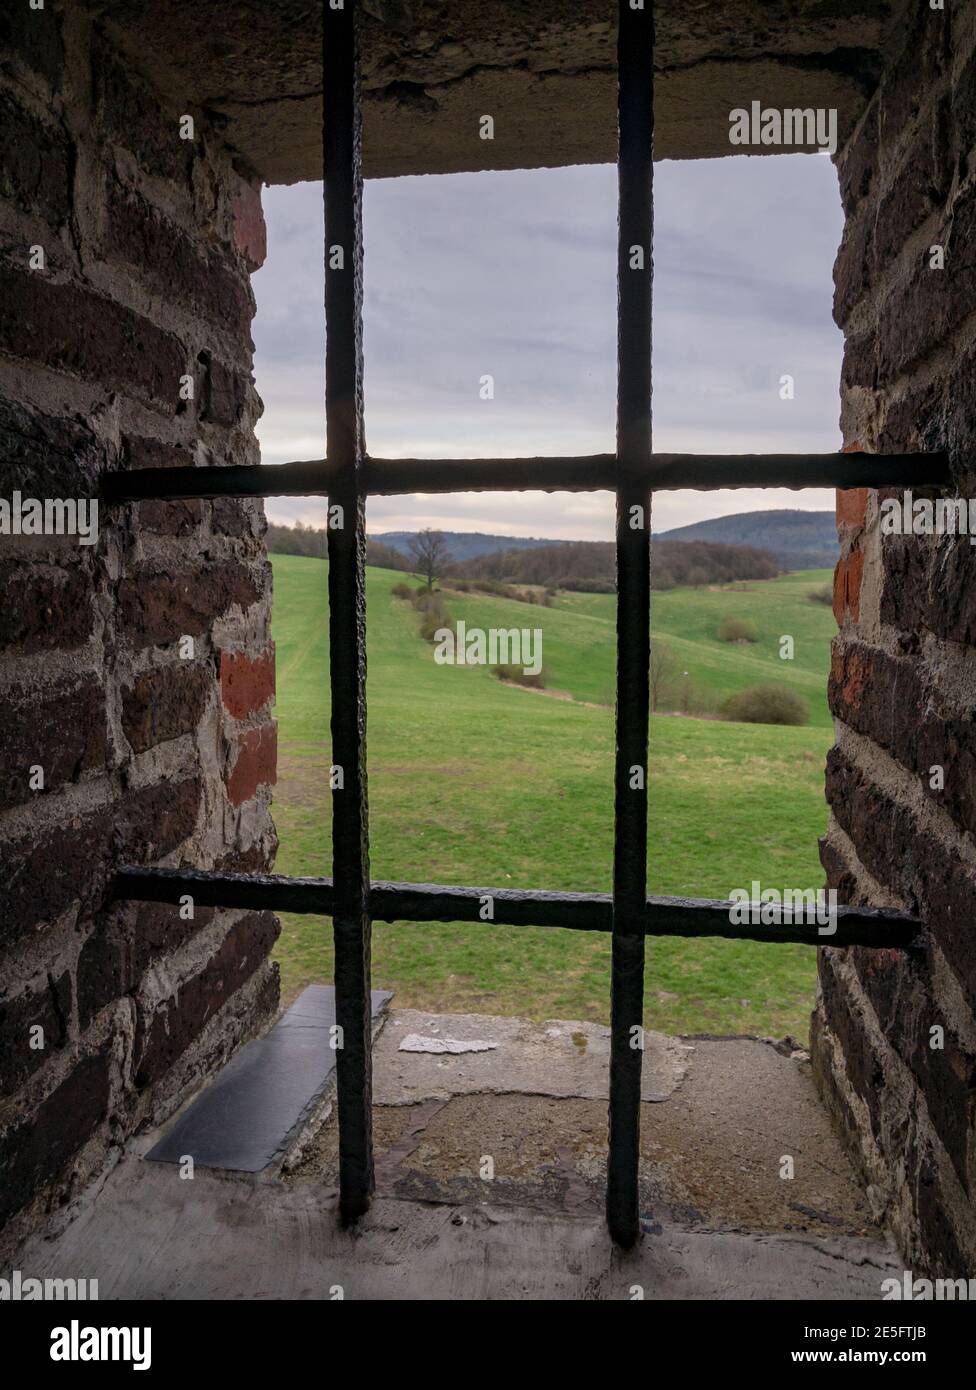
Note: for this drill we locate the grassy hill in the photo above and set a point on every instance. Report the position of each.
(797, 539)
(477, 782)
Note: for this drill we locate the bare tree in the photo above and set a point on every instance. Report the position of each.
(664, 664)
(430, 555)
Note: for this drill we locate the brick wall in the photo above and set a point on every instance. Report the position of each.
(153, 748)
(903, 683)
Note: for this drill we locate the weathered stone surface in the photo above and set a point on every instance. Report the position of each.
(913, 864)
(891, 701)
(164, 702)
(126, 940)
(37, 1149)
(43, 607)
(63, 731)
(160, 253)
(69, 866)
(74, 330)
(34, 164)
(547, 72)
(47, 1009)
(166, 1033)
(157, 608)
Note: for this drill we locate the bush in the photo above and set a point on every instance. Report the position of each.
(435, 620)
(824, 595)
(402, 590)
(588, 586)
(518, 676)
(766, 704)
(736, 630)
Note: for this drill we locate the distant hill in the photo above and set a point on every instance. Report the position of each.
(463, 545)
(797, 540)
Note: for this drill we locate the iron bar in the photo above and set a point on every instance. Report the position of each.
(635, 168)
(875, 928)
(345, 448)
(589, 473)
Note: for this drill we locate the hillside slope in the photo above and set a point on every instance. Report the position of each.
(472, 781)
(798, 540)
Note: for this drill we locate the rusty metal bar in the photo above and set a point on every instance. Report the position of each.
(635, 107)
(695, 918)
(589, 473)
(345, 448)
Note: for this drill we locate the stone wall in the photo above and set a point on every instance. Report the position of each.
(903, 683)
(137, 674)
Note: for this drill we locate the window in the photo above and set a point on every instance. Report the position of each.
(347, 476)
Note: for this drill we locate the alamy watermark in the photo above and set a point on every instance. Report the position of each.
(20, 1288)
(914, 1290)
(50, 516)
(769, 907)
(496, 646)
(919, 516)
(798, 128)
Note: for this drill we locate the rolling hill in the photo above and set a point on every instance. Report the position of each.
(797, 540)
(475, 781)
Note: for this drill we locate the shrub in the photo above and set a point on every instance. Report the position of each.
(588, 586)
(824, 595)
(402, 590)
(518, 676)
(424, 600)
(766, 704)
(736, 630)
(433, 622)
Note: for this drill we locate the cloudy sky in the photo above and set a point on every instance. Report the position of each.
(513, 275)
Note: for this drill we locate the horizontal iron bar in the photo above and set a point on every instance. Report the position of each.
(431, 902)
(309, 479)
(590, 473)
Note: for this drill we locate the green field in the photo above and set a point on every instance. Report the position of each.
(476, 782)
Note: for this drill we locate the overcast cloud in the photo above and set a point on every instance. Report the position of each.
(513, 275)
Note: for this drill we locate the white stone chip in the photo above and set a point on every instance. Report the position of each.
(413, 1042)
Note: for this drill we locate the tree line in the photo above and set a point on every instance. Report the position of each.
(588, 566)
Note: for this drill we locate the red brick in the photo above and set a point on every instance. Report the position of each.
(852, 506)
(72, 330)
(164, 703)
(247, 684)
(256, 763)
(250, 232)
(847, 586)
(62, 730)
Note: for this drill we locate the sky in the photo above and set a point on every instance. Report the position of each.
(512, 275)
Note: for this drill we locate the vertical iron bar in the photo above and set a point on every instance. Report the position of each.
(345, 447)
(635, 58)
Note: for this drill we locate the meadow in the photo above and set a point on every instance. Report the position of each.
(473, 781)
